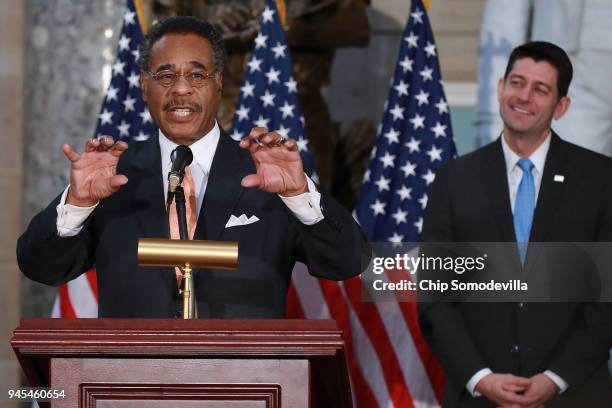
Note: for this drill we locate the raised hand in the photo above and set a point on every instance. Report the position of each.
(93, 174)
(278, 162)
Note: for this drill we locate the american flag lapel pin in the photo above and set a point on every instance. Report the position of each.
(559, 178)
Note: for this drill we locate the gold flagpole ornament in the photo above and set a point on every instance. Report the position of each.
(140, 12)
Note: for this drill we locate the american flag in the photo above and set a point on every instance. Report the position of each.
(414, 139)
(268, 95)
(124, 116)
(269, 99)
(390, 363)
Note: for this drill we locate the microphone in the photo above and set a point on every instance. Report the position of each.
(181, 157)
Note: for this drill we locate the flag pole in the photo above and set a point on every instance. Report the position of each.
(282, 11)
(142, 19)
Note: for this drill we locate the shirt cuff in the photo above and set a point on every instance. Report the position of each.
(70, 218)
(306, 207)
(559, 382)
(473, 382)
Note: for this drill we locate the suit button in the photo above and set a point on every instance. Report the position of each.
(514, 349)
(521, 305)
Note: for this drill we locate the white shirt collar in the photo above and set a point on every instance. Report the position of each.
(538, 157)
(203, 150)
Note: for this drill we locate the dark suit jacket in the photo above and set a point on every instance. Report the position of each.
(469, 202)
(268, 248)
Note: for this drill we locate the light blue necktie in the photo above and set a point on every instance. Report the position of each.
(524, 207)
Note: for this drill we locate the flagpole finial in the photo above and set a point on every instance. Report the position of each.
(142, 19)
(282, 11)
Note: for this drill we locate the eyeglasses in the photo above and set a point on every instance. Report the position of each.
(196, 79)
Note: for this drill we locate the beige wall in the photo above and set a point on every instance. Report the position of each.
(360, 76)
(456, 25)
(11, 136)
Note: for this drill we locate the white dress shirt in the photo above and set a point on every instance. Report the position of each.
(515, 174)
(306, 207)
(203, 152)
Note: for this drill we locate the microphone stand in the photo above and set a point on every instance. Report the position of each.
(187, 289)
(181, 212)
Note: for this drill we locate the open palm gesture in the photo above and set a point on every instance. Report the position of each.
(278, 162)
(93, 174)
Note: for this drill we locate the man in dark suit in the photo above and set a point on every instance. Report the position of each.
(254, 192)
(528, 186)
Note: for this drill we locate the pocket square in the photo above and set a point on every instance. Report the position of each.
(241, 220)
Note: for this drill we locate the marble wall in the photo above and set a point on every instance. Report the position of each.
(69, 47)
(11, 118)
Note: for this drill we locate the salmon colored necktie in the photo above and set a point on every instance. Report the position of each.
(190, 210)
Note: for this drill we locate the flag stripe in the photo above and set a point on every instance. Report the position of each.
(401, 322)
(368, 362)
(372, 324)
(82, 298)
(323, 300)
(309, 293)
(427, 361)
(55, 310)
(411, 363)
(294, 306)
(93, 282)
(66, 309)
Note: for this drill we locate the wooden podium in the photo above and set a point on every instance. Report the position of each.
(186, 363)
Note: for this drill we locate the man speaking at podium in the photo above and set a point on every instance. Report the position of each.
(254, 192)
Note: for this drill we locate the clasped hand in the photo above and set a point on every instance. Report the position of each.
(507, 390)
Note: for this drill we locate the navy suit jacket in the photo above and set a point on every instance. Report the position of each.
(469, 202)
(333, 248)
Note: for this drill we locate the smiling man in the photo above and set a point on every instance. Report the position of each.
(255, 193)
(528, 186)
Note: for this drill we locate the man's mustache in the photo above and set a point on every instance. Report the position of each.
(196, 107)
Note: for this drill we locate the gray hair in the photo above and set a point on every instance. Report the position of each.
(182, 25)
